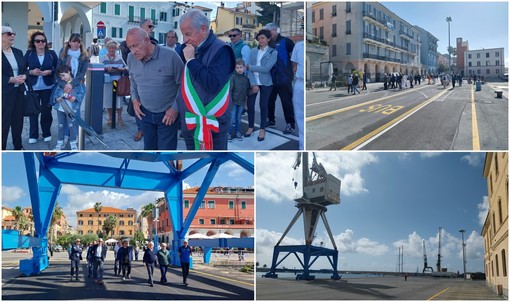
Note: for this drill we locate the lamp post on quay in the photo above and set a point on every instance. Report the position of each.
(463, 252)
(449, 19)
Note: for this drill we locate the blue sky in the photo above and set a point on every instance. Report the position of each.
(482, 24)
(73, 198)
(387, 200)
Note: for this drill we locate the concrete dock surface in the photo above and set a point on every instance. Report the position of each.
(374, 288)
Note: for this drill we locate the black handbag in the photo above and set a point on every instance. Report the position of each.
(32, 106)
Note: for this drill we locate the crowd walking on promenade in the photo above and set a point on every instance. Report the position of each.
(200, 97)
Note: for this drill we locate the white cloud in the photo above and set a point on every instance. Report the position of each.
(12, 193)
(275, 176)
(474, 159)
(425, 155)
(347, 243)
(404, 155)
(483, 209)
(265, 242)
(79, 200)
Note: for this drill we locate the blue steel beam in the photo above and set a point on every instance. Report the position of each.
(160, 156)
(100, 176)
(195, 167)
(241, 162)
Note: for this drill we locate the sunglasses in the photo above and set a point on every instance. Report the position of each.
(151, 26)
(39, 41)
(231, 36)
(10, 34)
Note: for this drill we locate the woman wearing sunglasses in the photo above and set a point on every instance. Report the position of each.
(13, 78)
(42, 63)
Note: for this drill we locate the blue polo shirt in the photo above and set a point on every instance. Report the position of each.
(185, 253)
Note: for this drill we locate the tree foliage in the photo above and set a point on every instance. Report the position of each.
(269, 12)
(109, 224)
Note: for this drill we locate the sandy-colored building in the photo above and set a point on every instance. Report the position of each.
(238, 17)
(90, 222)
(495, 228)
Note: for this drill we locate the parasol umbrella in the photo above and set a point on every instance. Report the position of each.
(111, 240)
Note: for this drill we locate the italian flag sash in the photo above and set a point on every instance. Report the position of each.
(203, 119)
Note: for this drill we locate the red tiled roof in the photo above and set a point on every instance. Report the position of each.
(105, 210)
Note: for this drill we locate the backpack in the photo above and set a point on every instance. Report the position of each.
(95, 50)
(280, 73)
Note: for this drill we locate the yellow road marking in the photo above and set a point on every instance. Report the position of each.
(224, 278)
(326, 114)
(431, 298)
(474, 122)
(390, 123)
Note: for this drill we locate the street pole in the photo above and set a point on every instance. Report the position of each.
(449, 19)
(463, 252)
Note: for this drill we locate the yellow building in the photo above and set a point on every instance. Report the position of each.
(238, 17)
(90, 222)
(495, 228)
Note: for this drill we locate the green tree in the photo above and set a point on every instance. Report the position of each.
(17, 213)
(98, 207)
(138, 237)
(23, 224)
(269, 12)
(109, 225)
(88, 238)
(57, 215)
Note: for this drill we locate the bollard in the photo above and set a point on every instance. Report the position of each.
(94, 100)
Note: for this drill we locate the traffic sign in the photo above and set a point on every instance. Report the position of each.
(101, 30)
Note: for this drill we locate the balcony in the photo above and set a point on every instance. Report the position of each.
(378, 39)
(380, 58)
(248, 26)
(372, 18)
(405, 35)
(138, 19)
(333, 35)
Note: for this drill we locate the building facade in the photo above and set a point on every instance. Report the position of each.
(462, 47)
(91, 222)
(488, 63)
(238, 17)
(367, 36)
(428, 58)
(495, 228)
(229, 210)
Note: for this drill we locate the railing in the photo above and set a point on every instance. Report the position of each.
(379, 20)
(367, 55)
(405, 34)
(248, 26)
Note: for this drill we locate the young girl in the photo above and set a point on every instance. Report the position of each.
(73, 99)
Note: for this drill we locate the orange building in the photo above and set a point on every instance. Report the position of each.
(229, 210)
(90, 222)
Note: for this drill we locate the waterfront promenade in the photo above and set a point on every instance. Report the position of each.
(374, 288)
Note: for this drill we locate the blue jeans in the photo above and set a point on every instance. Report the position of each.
(65, 124)
(163, 269)
(235, 119)
(156, 135)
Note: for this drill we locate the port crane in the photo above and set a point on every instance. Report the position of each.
(320, 190)
(426, 266)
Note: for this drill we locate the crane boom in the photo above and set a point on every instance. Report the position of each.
(439, 251)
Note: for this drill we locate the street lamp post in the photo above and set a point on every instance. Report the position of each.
(449, 19)
(463, 252)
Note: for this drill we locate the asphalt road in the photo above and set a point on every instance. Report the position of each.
(377, 288)
(205, 283)
(426, 117)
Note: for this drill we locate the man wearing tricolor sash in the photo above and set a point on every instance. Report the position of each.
(204, 100)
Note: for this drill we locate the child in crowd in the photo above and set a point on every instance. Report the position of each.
(73, 99)
(239, 90)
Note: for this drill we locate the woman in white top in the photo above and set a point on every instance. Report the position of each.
(115, 66)
(262, 59)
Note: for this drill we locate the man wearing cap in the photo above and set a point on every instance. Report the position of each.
(75, 257)
(284, 46)
(99, 252)
(184, 255)
(124, 257)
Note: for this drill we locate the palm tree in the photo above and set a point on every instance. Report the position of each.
(57, 215)
(98, 207)
(109, 224)
(23, 224)
(17, 213)
(147, 213)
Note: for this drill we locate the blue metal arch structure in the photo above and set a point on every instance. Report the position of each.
(45, 187)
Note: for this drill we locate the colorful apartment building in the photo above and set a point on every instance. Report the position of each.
(495, 228)
(224, 210)
(91, 222)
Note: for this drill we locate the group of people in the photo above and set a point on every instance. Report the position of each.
(124, 255)
(400, 80)
(56, 81)
(189, 87)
